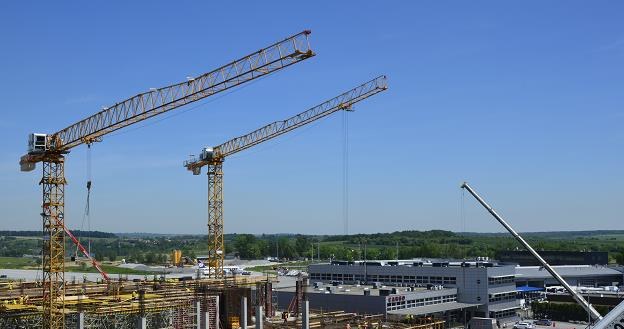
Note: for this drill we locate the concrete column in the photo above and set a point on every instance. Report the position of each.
(207, 317)
(142, 323)
(81, 320)
(198, 314)
(243, 313)
(259, 317)
(217, 320)
(305, 315)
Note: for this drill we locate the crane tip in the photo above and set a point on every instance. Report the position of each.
(463, 185)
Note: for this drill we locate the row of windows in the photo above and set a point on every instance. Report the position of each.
(390, 306)
(385, 278)
(503, 314)
(502, 280)
(506, 296)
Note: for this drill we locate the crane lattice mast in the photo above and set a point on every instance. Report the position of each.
(213, 158)
(51, 149)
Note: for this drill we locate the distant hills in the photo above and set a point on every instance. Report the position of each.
(335, 237)
(552, 234)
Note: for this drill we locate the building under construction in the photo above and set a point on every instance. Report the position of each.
(54, 302)
(232, 303)
(172, 303)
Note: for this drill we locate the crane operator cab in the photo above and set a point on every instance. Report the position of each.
(206, 154)
(37, 143)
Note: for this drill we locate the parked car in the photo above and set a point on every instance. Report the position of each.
(523, 325)
(543, 322)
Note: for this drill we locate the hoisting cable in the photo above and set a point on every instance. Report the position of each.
(345, 168)
(462, 219)
(86, 217)
(88, 205)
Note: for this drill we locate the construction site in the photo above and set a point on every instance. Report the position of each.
(211, 299)
(385, 286)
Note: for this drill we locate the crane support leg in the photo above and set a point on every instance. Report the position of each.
(53, 206)
(215, 219)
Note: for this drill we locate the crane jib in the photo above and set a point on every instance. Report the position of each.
(279, 55)
(277, 128)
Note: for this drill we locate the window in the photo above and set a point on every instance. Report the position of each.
(450, 280)
(505, 296)
(502, 280)
(504, 314)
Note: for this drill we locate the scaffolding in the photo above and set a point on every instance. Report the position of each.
(158, 303)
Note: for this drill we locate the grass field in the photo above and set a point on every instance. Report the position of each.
(29, 263)
(17, 262)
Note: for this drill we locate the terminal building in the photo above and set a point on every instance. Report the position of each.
(457, 290)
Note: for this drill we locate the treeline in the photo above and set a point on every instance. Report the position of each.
(156, 249)
(410, 244)
(77, 233)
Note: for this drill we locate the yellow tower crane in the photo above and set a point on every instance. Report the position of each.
(213, 158)
(52, 148)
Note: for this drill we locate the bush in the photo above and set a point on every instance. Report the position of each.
(563, 311)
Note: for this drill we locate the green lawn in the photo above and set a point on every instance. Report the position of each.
(17, 262)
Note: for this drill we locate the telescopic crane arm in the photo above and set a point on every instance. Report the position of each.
(270, 131)
(579, 299)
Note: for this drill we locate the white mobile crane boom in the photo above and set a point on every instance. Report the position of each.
(613, 320)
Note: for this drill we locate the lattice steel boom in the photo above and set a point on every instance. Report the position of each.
(148, 104)
(213, 158)
(51, 149)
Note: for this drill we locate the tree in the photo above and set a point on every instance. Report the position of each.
(99, 256)
(373, 253)
(150, 258)
(286, 248)
(302, 245)
(247, 246)
(619, 258)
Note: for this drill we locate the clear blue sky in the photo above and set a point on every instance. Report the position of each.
(523, 100)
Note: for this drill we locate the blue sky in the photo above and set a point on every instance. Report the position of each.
(523, 100)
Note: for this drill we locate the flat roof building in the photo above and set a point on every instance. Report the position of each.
(554, 257)
(386, 300)
(575, 275)
(488, 289)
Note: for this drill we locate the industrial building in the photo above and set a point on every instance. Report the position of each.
(575, 275)
(554, 257)
(390, 301)
(482, 288)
